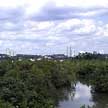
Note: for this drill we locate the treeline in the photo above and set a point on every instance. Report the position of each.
(95, 73)
(89, 56)
(42, 84)
(33, 84)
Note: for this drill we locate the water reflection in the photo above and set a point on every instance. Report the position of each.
(82, 96)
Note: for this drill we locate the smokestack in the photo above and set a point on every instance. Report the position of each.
(67, 51)
(70, 51)
(74, 53)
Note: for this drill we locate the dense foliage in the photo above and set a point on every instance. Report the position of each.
(94, 72)
(33, 84)
(41, 84)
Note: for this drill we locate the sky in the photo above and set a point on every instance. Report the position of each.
(49, 26)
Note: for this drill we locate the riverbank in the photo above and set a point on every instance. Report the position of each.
(44, 83)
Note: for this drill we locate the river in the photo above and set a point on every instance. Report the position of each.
(83, 96)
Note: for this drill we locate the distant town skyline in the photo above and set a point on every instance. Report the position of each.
(49, 26)
(68, 52)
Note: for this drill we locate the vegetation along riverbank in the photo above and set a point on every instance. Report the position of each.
(41, 84)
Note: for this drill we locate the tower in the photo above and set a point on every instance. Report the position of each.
(70, 51)
(67, 51)
(10, 52)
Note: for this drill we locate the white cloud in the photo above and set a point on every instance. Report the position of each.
(93, 12)
(34, 6)
(86, 26)
(9, 3)
(82, 3)
(68, 24)
(72, 22)
(102, 31)
(45, 25)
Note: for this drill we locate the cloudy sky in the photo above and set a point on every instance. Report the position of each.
(49, 26)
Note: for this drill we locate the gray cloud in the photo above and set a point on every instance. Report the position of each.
(12, 19)
(50, 12)
(12, 15)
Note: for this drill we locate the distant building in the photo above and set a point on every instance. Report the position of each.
(48, 57)
(104, 56)
(3, 56)
(31, 57)
(59, 56)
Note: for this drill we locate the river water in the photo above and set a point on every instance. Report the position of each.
(83, 96)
